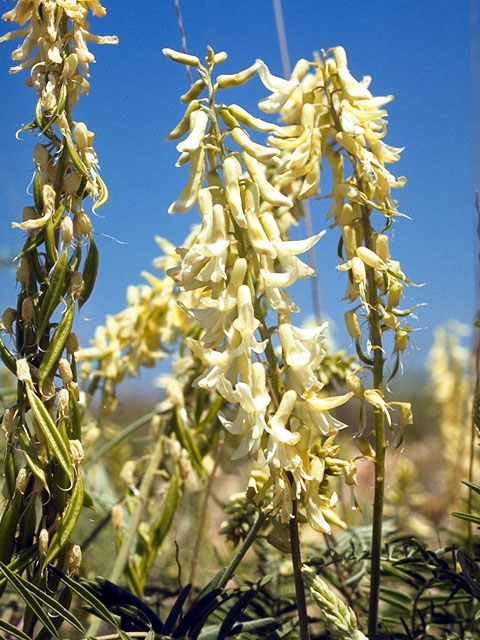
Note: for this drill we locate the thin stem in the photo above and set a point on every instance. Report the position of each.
(203, 518)
(247, 543)
(129, 538)
(297, 574)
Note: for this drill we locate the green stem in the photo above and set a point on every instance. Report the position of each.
(129, 538)
(297, 574)
(247, 543)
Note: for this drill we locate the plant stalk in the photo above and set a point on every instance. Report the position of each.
(380, 444)
(129, 539)
(297, 574)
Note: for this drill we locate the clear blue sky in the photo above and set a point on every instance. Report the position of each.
(418, 51)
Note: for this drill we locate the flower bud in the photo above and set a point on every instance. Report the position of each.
(21, 480)
(235, 80)
(66, 227)
(43, 540)
(23, 371)
(82, 224)
(401, 341)
(22, 273)
(75, 285)
(358, 270)
(349, 238)
(27, 311)
(80, 134)
(182, 58)
(65, 371)
(8, 318)
(353, 325)
(63, 401)
(381, 247)
(76, 451)
(355, 385)
(71, 344)
(371, 259)
(116, 515)
(73, 557)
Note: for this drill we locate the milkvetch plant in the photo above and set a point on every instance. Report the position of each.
(244, 364)
(56, 271)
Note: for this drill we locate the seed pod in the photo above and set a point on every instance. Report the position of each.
(65, 371)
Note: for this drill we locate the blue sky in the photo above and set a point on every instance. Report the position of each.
(420, 52)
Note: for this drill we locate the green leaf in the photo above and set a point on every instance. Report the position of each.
(99, 609)
(234, 613)
(25, 591)
(56, 345)
(49, 430)
(163, 523)
(176, 610)
(53, 604)
(13, 631)
(466, 516)
(69, 520)
(53, 293)
(89, 274)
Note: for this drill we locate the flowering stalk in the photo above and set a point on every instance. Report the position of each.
(44, 483)
(231, 278)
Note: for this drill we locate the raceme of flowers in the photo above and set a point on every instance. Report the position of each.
(53, 275)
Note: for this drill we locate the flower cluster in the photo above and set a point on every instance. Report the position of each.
(45, 422)
(238, 270)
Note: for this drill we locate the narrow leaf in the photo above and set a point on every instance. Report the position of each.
(56, 345)
(99, 609)
(69, 520)
(89, 274)
(53, 293)
(24, 590)
(49, 430)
